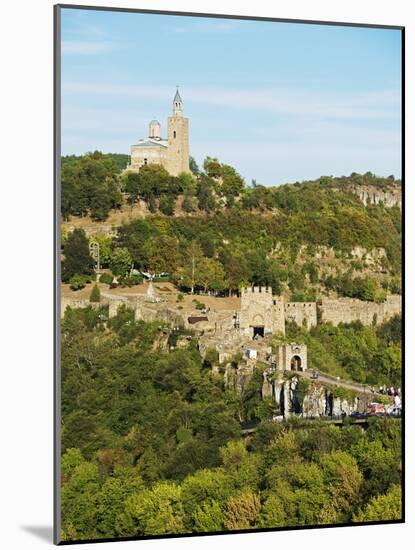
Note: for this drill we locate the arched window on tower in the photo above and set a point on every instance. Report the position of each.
(174, 134)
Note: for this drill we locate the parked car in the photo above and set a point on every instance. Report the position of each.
(376, 408)
(395, 411)
(357, 414)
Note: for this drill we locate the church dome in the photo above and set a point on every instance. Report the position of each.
(154, 129)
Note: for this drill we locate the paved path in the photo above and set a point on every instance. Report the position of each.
(322, 377)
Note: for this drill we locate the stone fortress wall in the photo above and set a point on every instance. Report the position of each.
(346, 310)
(259, 309)
(302, 313)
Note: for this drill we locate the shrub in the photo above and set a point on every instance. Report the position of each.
(95, 295)
(77, 282)
(106, 278)
(211, 357)
(180, 297)
(131, 280)
(166, 204)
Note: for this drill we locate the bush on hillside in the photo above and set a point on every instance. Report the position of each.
(106, 278)
(95, 295)
(77, 282)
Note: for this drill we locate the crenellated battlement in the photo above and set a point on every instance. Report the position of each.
(256, 290)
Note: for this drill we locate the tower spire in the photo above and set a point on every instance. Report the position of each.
(177, 103)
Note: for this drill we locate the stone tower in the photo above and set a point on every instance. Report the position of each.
(178, 139)
(261, 312)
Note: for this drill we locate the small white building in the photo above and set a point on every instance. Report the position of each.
(251, 353)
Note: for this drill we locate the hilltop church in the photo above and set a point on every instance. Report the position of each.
(173, 152)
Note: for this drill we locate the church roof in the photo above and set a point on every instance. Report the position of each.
(151, 143)
(177, 97)
(154, 121)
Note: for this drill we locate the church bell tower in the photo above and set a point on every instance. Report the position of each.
(178, 139)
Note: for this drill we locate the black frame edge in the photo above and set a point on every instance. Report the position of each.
(56, 245)
(227, 16)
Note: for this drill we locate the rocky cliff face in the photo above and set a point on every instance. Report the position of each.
(369, 194)
(295, 395)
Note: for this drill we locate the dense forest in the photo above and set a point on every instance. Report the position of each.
(151, 437)
(238, 234)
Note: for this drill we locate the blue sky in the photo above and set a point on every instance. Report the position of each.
(280, 102)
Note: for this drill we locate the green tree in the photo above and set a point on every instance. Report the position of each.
(387, 507)
(77, 282)
(194, 168)
(343, 479)
(188, 274)
(154, 181)
(187, 183)
(208, 517)
(156, 511)
(211, 275)
(162, 254)
(242, 510)
(105, 247)
(189, 203)
(205, 195)
(120, 262)
(79, 502)
(89, 184)
(272, 513)
(167, 204)
(203, 489)
(212, 167)
(95, 295)
(131, 186)
(116, 488)
(77, 260)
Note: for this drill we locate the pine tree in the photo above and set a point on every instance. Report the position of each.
(95, 294)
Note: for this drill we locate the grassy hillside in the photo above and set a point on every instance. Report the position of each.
(306, 240)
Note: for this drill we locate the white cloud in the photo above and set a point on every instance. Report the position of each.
(112, 121)
(80, 47)
(374, 105)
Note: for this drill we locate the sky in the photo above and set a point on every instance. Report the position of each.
(281, 102)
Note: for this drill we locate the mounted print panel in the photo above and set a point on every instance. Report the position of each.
(228, 274)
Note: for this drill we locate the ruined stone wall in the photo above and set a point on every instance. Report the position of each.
(76, 303)
(302, 313)
(346, 310)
